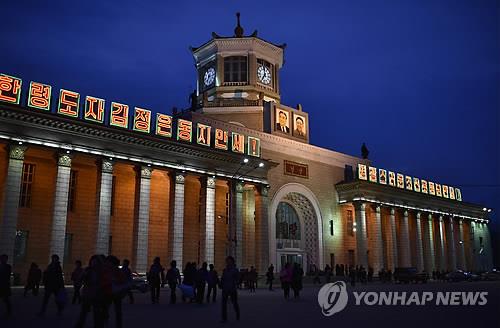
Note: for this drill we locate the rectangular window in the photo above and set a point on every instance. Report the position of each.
(26, 185)
(331, 227)
(68, 247)
(350, 223)
(235, 69)
(72, 190)
(113, 189)
(20, 245)
(227, 208)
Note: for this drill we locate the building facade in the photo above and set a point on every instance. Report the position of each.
(234, 174)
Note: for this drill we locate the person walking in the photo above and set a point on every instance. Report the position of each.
(54, 285)
(33, 281)
(173, 280)
(252, 279)
(92, 296)
(270, 277)
(297, 275)
(352, 275)
(5, 292)
(76, 278)
(229, 286)
(212, 282)
(201, 280)
(286, 280)
(156, 277)
(130, 279)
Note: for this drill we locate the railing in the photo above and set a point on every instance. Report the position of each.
(234, 102)
(234, 84)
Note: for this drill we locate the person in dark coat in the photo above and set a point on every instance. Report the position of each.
(33, 281)
(212, 282)
(270, 276)
(156, 277)
(297, 274)
(92, 296)
(252, 279)
(54, 284)
(173, 279)
(201, 280)
(76, 278)
(5, 272)
(229, 286)
(130, 279)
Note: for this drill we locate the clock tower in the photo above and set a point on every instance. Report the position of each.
(237, 76)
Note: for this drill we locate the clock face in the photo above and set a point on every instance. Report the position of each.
(264, 74)
(209, 77)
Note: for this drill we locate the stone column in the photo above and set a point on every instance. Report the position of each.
(461, 246)
(420, 248)
(451, 246)
(405, 242)
(209, 249)
(378, 250)
(394, 239)
(487, 246)
(475, 245)
(442, 259)
(430, 259)
(142, 223)
(262, 229)
(104, 216)
(178, 224)
(12, 188)
(236, 222)
(361, 238)
(60, 213)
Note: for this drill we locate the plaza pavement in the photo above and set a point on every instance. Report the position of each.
(266, 309)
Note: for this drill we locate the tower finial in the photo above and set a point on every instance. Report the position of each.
(238, 31)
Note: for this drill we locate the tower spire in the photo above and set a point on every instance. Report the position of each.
(238, 31)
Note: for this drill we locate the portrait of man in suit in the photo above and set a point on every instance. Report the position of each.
(299, 126)
(282, 122)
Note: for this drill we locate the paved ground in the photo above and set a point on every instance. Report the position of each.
(265, 308)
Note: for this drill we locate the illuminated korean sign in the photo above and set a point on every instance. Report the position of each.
(39, 96)
(203, 134)
(119, 115)
(401, 181)
(10, 89)
(164, 125)
(94, 109)
(69, 103)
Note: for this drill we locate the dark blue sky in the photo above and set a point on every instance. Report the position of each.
(418, 81)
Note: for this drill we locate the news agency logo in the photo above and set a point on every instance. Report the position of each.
(332, 298)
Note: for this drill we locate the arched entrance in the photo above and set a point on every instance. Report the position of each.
(295, 227)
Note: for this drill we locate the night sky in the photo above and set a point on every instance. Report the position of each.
(418, 81)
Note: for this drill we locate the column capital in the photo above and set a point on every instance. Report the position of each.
(440, 218)
(238, 187)
(460, 221)
(419, 215)
(393, 211)
(106, 165)
(429, 216)
(146, 172)
(17, 151)
(405, 213)
(264, 190)
(359, 205)
(64, 159)
(211, 182)
(180, 177)
(377, 209)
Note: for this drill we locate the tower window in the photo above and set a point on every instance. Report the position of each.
(236, 69)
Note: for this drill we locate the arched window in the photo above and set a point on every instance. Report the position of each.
(287, 222)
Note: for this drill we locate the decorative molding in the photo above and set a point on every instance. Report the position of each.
(377, 209)
(393, 211)
(17, 152)
(405, 213)
(264, 191)
(106, 166)
(180, 178)
(146, 172)
(239, 187)
(211, 182)
(64, 160)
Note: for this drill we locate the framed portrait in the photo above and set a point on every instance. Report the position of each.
(445, 191)
(458, 194)
(423, 186)
(432, 189)
(416, 184)
(299, 126)
(438, 190)
(362, 175)
(401, 182)
(452, 192)
(282, 120)
(373, 174)
(382, 176)
(408, 183)
(392, 179)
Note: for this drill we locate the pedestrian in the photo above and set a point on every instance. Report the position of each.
(297, 275)
(156, 277)
(92, 298)
(173, 280)
(212, 282)
(76, 278)
(352, 275)
(5, 292)
(328, 273)
(270, 276)
(315, 272)
(119, 288)
(188, 290)
(252, 279)
(130, 279)
(54, 285)
(286, 280)
(201, 280)
(229, 284)
(370, 274)
(33, 280)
